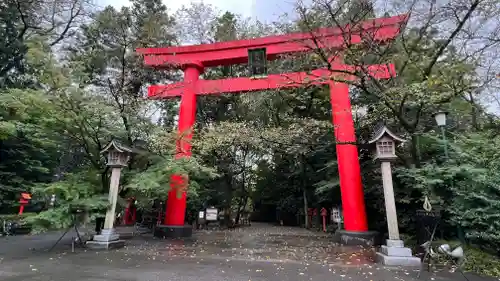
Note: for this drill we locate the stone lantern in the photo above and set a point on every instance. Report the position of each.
(117, 156)
(394, 253)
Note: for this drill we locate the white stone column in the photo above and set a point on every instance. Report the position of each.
(390, 204)
(112, 197)
(108, 237)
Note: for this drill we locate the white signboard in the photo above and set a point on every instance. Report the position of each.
(211, 214)
(336, 215)
(201, 215)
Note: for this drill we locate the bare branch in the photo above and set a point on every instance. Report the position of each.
(448, 41)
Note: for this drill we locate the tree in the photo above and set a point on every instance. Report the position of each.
(195, 23)
(82, 101)
(434, 72)
(24, 20)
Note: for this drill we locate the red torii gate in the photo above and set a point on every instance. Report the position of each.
(193, 59)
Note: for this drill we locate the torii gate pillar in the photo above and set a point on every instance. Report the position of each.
(351, 188)
(176, 203)
(175, 213)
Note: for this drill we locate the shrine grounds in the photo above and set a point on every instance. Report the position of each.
(260, 252)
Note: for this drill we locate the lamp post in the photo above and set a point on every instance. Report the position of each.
(394, 253)
(440, 117)
(118, 156)
(441, 122)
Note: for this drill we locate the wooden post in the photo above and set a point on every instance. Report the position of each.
(324, 213)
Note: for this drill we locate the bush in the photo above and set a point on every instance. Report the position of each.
(481, 262)
(476, 260)
(16, 217)
(467, 187)
(22, 226)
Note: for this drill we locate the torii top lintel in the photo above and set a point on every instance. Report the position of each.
(235, 52)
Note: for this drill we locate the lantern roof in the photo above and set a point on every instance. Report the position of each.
(117, 145)
(381, 132)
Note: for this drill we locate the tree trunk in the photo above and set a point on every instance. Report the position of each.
(241, 206)
(306, 207)
(473, 112)
(229, 200)
(243, 200)
(304, 191)
(238, 211)
(415, 150)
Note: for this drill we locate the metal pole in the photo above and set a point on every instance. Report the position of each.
(460, 231)
(443, 134)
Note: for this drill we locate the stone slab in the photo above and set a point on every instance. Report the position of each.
(105, 245)
(398, 261)
(173, 231)
(106, 238)
(396, 251)
(394, 243)
(351, 238)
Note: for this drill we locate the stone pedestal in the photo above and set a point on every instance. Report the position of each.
(108, 239)
(396, 254)
(353, 238)
(173, 231)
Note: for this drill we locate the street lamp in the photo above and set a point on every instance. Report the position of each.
(440, 117)
(441, 122)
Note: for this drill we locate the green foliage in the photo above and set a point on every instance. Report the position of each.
(54, 124)
(154, 182)
(20, 219)
(12, 46)
(477, 198)
(478, 259)
(471, 180)
(16, 217)
(481, 262)
(76, 191)
(26, 146)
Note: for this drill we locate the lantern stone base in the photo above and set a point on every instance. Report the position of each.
(354, 238)
(173, 231)
(396, 254)
(108, 239)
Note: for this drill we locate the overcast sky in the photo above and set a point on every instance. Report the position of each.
(263, 10)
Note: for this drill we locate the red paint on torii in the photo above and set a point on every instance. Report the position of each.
(193, 60)
(235, 52)
(272, 81)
